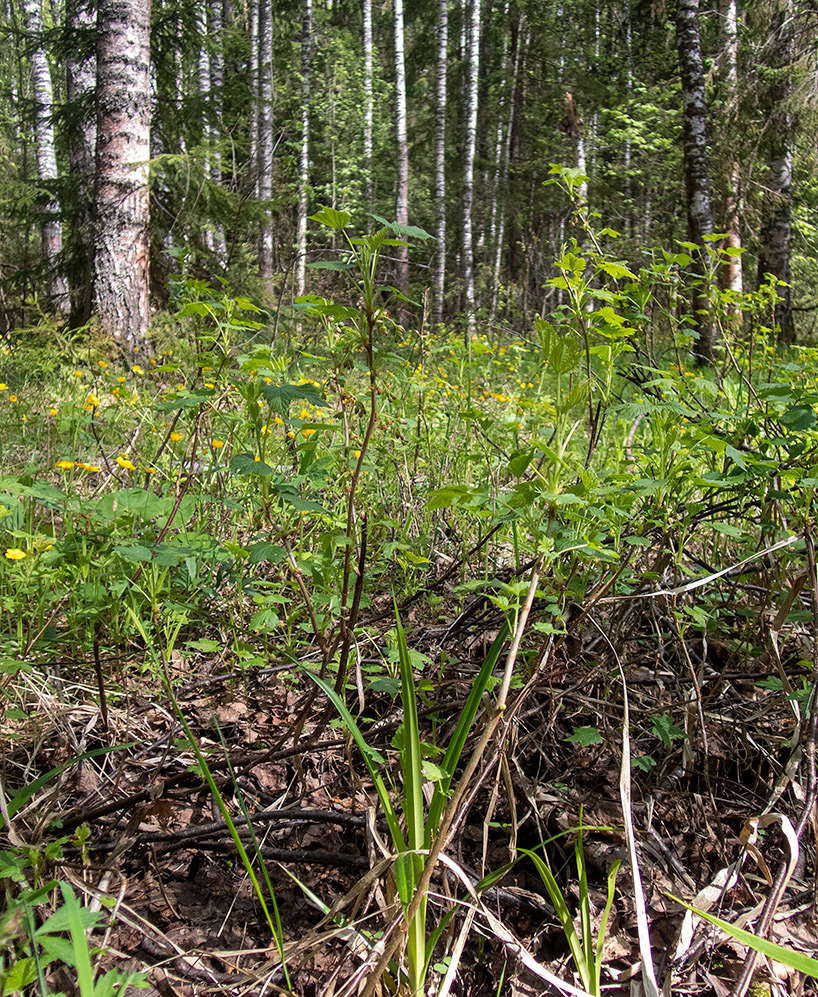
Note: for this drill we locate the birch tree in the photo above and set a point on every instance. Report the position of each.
(369, 102)
(80, 72)
(43, 97)
(122, 249)
(440, 156)
(468, 160)
(402, 189)
(696, 167)
(776, 232)
(731, 274)
(265, 134)
(304, 160)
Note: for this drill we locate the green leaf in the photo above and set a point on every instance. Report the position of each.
(666, 730)
(280, 396)
(798, 418)
(331, 217)
(134, 552)
(246, 463)
(789, 957)
(616, 270)
(586, 736)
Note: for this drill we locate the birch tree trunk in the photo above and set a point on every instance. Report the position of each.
(402, 191)
(519, 44)
(468, 162)
(82, 141)
(304, 164)
(265, 135)
(776, 232)
(121, 265)
(696, 168)
(440, 156)
(731, 274)
(215, 24)
(43, 96)
(369, 103)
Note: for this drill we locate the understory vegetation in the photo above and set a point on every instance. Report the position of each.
(321, 629)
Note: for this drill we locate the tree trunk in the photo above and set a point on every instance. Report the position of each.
(440, 156)
(519, 44)
(304, 165)
(215, 22)
(82, 141)
(265, 136)
(121, 266)
(402, 192)
(369, 103)
(776, 232)
(468, 161)
(696, 168)
(731, 273)
(43, 96)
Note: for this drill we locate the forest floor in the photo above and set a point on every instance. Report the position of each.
(715, 742)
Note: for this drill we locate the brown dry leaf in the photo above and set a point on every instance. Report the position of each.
(232, 712)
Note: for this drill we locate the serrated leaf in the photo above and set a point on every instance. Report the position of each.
(586, 736)
(245, 463)
(665, 730)
(331, 217)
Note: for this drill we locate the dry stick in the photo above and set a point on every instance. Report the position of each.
(783, 872)
(648, 972)
(450, 813)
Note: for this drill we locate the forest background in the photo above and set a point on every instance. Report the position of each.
(490, 320)
(240, 120)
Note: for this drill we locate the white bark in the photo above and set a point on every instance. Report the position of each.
(265, 135)
(43, 95)
(369, 102)
(731, 276)
(304, 164)
(402, 191)
(121, 266)
(80, 84)
(440, 156)
(468, 161)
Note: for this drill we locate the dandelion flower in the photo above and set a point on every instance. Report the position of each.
(14, 554)
(12, 398)
(121, 378)
(123, 461)
(65, 465)
(217, 444)
(176, 437)
(77, 373)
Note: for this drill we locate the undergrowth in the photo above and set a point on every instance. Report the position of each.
(270, 502)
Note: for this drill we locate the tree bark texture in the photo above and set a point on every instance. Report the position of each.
(468, 160)
(304, 164)
(696, 168)
(776, 232)
(121, 266)
(369, 103)
(731, 273)
(43, 95)
(440, 156)
(82, 142)
(402, 190)
(265, 134)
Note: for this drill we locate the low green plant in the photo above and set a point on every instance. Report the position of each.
(585, 951)
(412, 828)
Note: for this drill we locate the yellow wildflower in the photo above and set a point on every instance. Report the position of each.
(217, 444)
(12, 398)
(103, 364)
(92, 401)
(77, 373)
(53, 411)
(14, 554)
(3, 386)
(150, 470)
(278, 420)
(123, 461)
(121, 378)
(176, 437)
(137, 369)
(65, 465)
(92, 468)
(307, 433)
